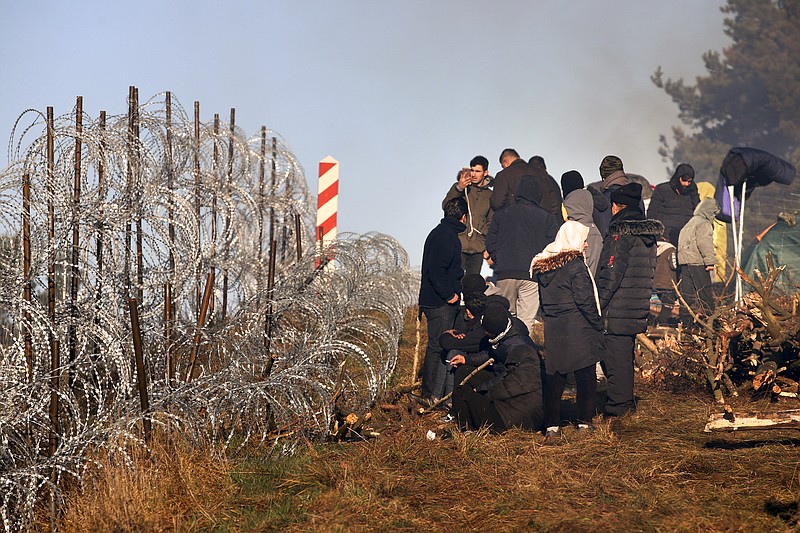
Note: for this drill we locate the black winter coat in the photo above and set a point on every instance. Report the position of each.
(626, 270)
(441, 264)
(507, 180)
(475, 338)
(519, 232)
(573, 329)
(516, 388)
(673, 206)
(518, 396)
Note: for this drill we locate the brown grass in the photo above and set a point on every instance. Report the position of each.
(654, 470)
(176, 487)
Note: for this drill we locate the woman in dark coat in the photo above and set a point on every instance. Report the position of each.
(572, 325)
(673, 202)
(510, 395)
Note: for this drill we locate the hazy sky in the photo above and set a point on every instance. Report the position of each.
(402, 93)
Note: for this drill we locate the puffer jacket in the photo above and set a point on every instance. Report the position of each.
(696, 241)
(625, 274)
(572, 324)
(580, 206)
(673, 205)
(520, 231)
(479, 215)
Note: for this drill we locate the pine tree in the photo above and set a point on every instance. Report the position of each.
(750, 97)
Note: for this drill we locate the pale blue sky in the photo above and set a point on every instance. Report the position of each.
(401, 93)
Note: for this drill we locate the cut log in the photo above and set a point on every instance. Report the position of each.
(730, 421)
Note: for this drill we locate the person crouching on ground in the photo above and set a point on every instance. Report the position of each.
(510, 395)
(624, 281)
(573, 330)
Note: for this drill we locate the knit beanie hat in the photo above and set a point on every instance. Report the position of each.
(630, 194)
(473, 284)
(609, 165)
(495, 319)
(498, 299)
(571, 181)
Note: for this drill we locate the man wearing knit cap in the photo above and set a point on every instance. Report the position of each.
(674, 202)
(624, 282)
(613, 176)
(573, 181)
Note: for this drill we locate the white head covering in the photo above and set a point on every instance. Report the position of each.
(571, 236)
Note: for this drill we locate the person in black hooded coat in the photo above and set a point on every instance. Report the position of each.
(510, 395)
(573, 332)
(673, 202)
(624, 283)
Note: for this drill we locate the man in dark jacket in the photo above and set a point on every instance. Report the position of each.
(507, 181)
(673, 202)
(474, 185)
(518, 232)
(551, 192)
(613, 177)
(624, 283)
(510, 395)
(439, 292)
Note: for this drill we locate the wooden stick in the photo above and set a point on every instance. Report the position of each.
(415, 366)
(464, 381)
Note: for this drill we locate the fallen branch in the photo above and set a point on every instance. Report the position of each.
(464, 381)
(730, 421)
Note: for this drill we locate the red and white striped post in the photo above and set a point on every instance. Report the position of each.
(327, 205)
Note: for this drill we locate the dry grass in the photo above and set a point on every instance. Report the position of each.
(653, 470)
(176, 487)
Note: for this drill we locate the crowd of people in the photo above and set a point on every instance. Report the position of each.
(583, 260)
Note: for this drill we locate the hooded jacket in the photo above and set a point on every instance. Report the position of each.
(441, 264)
(506, 183)
(516, 388)
(625, 274)
(612, 182)
(572, 325)
(696, 241)
(479, 215)
(520, 231)
(673, 204)
(580, 206)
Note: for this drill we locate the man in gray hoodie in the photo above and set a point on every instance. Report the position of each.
(696, 258)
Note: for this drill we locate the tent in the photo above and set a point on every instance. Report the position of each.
(782, 239)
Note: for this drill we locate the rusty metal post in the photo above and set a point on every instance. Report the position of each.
(227, 214)
(139, 244)
(268, 318)
(201, 322)
(197, 184)
(215, 164)
(72, 333)
(141, 376)
(298, 236)
(26, 270)
(168, 304)
(273, 178)
(129, 190)
(55, 362)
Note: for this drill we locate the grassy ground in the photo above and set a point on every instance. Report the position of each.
(654, 470)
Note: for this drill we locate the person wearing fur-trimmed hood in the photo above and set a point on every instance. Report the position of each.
(573, 328)
(624, 283)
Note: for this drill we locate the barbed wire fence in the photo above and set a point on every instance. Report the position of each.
(157, 274)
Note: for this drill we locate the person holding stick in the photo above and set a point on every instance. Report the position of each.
(510, 395)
